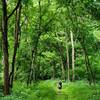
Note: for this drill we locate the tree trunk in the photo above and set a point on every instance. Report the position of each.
(91, 77)
(60, 51)
(63, 70)
(68, 68)
(53, 72)
(33, 68)
(5, 47)
(72, 42)
(53, 69)
(34, 51)
(16, 43)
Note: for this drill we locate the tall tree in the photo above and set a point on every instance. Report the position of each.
(5, 18)
(68, 67)
(5, 47)
(72, 43)
(16, 42)
(32, 72)
(91, 76)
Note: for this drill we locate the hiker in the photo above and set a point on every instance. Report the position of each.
(60, 85)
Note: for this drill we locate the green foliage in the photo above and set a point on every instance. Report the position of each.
(47, 90)
(45, 28)
(94, 9)
(81, 91)
(42, 49)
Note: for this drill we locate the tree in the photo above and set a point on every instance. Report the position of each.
(5, 47)
(5, 18)
(72, 43)
(16, 42)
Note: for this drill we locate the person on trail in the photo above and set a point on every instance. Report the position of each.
(60, 85)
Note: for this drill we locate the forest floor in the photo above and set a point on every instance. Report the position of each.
(47, 90)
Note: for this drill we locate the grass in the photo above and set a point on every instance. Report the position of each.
(47, 90)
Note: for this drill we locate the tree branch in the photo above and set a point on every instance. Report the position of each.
(18, 3)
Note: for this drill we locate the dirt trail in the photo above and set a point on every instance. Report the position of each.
(61, 95)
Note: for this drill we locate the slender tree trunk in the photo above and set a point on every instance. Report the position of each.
(87, 66)
(16, 43)
(5, 47)
(53, 74)
(72, 42)
(53, 70)
(62, 61)
(38, 71)
(34, 66)
(68, 68)
(63, 70)
(91, 77)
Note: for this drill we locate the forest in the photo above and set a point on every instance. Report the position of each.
(49, 49)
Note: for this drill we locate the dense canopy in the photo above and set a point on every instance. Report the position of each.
(45, 41)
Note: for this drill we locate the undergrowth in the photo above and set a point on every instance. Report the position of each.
(47, 90)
